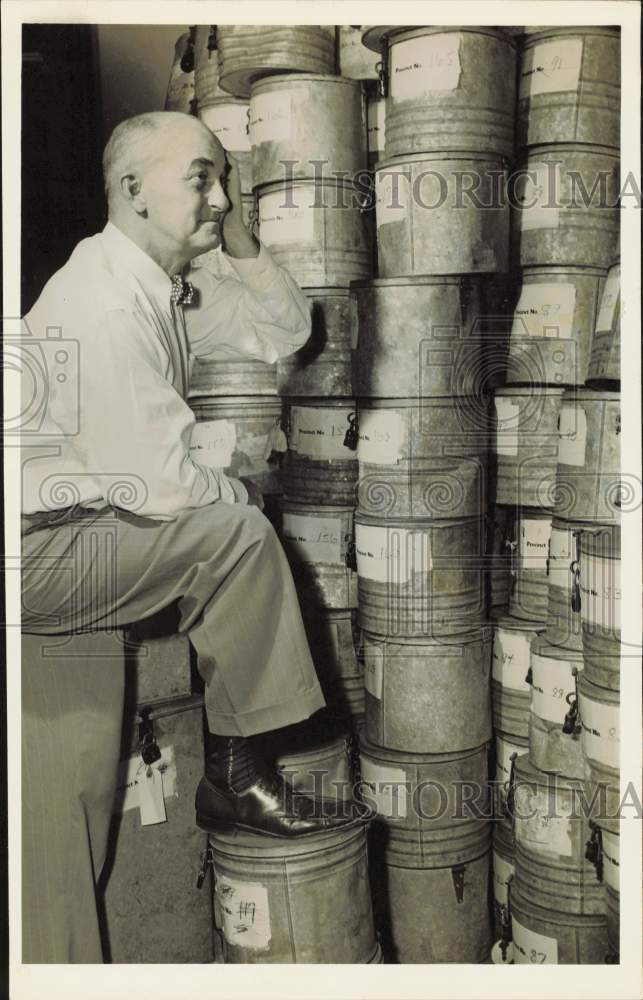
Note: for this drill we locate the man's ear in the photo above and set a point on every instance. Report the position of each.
(131, 189)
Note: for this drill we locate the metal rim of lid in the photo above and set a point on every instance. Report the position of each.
(420, 279)
(590, 536)
(582, 393)
(412, 757)
(480, 633)
(551, 782)
(511, 624)
(374, 37)
(543, 648)
(552, 148)
(596, 693)
(271, 186)
(273, 402)
(533, 36)
(456, 154)
(313, 510)
(536, 393)
(280, 81)
(414, 523)
(402, 34)
(217, 102)
(563, 269)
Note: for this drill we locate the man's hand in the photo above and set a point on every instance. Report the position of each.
(237, 239)
(255, 497)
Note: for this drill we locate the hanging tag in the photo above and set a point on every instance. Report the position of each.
(151, 801)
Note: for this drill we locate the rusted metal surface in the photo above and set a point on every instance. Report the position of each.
(322, 367)
(248, 52)
(600, 604)
(554, 745)
(589, 486)
(526, 445)
(450, 89)
(428, 696)
(605, 357)
(570, 87)
(419, 230)
(306, 126)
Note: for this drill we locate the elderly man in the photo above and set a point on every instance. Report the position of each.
(119, 465)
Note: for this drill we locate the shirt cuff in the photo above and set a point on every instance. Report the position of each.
(257, 272)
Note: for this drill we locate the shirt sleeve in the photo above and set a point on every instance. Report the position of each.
(261, 313)
(134, 424)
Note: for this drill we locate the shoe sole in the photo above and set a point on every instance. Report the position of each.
(211, 826)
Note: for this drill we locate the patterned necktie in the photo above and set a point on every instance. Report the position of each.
(182, 291)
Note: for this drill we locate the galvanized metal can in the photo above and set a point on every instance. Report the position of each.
(499, 536)
(425, 225)
(545, 936)
(223, 375)
(589, 486)
(503, 867)
(322, 367)
(526, 445)
(553, 319)
(240, 435)
(375, 126)
(508, 748)
(248, 52)
(280, 898)
(416, 460)
(428, 696)
(320, 547)
(554, 730)
(227, 119)
(356, 61)
(450, 88)
(316, 230)
(335, 646)
(570, 87)
(510, 688)
(566, 199)
(419, 577)
(600, 604)
(605, 356)
(206, 64)
(599, 710)
(606, 849)
(418, 337)
(529, 548)
(434, 851)
(180, 88)
(306, 126)
(319, 468)
(314, 759)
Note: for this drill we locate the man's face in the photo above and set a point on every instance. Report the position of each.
(183, 187)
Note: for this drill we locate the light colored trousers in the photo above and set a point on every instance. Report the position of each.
(226, 569)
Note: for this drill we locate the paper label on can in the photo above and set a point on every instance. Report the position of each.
(502, 872)
(279, 223)
(535, 827)
(545, 311)
(537, 195)
(572, 436)
(562, 553)
(391, 555)
(391, 196)
(245, 912)
(534, 542)
(354, 322)
(213, 442)
(376, 125)
(601, 733)
(314, 539)
(611, 292)
(611, 858)
(531, 948)
(421, 65)
(380, 436)
(600, 586)
(319, 433)
(551, 67)
(388, 788)
(133, 791)
(229, 123)
(507, 417)
(552, 681)
(510, 661)
(271, 117)
(374, 669)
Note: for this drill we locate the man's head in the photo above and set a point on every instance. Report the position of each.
(164, 180)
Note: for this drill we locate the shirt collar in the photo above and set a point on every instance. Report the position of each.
(128, 256)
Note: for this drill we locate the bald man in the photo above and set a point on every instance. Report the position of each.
(118, 477)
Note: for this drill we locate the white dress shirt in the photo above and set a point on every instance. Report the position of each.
(116, 428)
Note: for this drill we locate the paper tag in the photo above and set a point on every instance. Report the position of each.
(601, 734)
(271, 117)
(290, 224)
(391, 555)
(572, 436)
(376, 125)
(534, 543)
(535, 827)
(131, 773)
(391, 196)
(611, 292)
(538, 196)
(550, 67)
(600, 586)
(388, 788)
(150, 797)
(502, 872)
(507, 417)
(545, 311)
(314, 539)
(374, 669)
(510, 661)
(420, 65)
(562, 553)
(213, 442)
(354, 322)
(531, 948)
(245, 913)
(380, 436)
(319, 433)
(611, 858)
(552, 681)
(229, 123)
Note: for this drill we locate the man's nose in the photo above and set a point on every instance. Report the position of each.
(217, 198)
